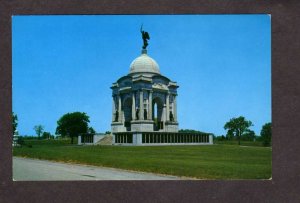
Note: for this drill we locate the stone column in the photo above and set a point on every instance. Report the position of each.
(119, 108)
(164, 113)
(150, 106)
(146, 107)
(113, 109)
(168, 107)
(133, 106)
(175, 108)
(210, 139)
(141, 105)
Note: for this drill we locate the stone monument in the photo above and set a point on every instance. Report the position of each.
(144, 106)
(144, 100)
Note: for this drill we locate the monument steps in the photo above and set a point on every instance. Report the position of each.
(107, 140)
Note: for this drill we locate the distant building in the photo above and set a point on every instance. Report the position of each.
(16, 137)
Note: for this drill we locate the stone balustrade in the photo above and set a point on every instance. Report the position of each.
(161, 138)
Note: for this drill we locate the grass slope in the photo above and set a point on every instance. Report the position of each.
(205, 162)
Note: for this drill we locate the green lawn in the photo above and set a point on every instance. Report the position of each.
(218, 161)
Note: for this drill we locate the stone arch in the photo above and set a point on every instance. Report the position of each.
(157, 113)
(127, 110)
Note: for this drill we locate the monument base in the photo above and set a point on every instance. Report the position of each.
(161, 138)
(171, 126)
(117, 127)
(142, 126)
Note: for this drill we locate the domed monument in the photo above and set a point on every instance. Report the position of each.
(144, 108)
(144, 100)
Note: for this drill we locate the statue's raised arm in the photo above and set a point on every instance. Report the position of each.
(145, 36)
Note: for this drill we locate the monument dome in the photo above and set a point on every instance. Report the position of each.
(144, 64)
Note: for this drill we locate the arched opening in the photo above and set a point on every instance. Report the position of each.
(155, 111)
(157, 114)
(127, 113)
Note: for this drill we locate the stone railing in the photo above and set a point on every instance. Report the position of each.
(87, 139)
(161, 138)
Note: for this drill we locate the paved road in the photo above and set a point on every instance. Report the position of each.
(33, 169)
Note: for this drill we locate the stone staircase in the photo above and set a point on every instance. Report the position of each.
(107, 140)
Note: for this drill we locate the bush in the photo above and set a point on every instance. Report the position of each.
(221, 138)
(266, 134)
(20, 141)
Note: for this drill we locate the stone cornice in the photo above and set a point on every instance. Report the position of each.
(141, 78)
(123, 89)
(160, 86)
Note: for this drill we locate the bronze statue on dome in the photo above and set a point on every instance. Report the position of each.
(145, 36)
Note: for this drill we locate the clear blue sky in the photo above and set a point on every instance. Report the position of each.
(222, 64)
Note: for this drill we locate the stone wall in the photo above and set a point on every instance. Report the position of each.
(161, 138)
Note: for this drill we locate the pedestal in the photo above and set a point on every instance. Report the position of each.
(171, 126)
(142, 126)
(117, 127)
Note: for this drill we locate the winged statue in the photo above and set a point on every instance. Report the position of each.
(145, 36)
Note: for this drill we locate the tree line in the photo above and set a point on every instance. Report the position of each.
(72, 124)
(69, 125)
(239, 129)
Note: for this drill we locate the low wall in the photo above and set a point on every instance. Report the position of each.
(161, 138)
(90, 139)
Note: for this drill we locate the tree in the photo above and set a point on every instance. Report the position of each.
(46, 135)
(238, 126)
(39, 129)
(249, 135)
(266, 134)
(220, 138)
(91, 130)
(72, 124)
(20, 141)
(229, 135)
(14, 122)
(189, 131)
